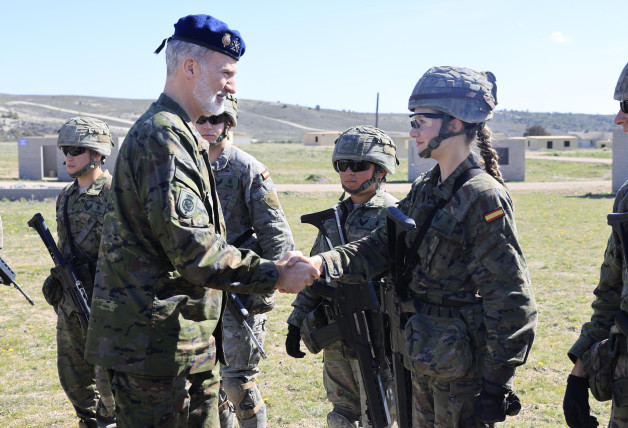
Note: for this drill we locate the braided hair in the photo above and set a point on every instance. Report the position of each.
(482, 134)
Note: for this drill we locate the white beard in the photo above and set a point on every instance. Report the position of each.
(210, 104)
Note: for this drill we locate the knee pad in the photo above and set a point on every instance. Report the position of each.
(338, 420)
(245, 397)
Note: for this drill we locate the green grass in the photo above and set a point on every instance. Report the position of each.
(8, 161)
(604, 153)
(538, 170)
(563, 236)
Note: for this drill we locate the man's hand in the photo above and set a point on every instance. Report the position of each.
(296, 277)
(316, 261)
(293, 342)
(576, 403)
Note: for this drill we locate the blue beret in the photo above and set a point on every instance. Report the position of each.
(209, 32)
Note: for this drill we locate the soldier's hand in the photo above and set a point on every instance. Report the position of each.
(495, 403)
(288, 255)
(576, 403)
(294, 279)
(293, 342)
(52, 288)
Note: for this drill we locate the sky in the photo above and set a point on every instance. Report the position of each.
(548, 56)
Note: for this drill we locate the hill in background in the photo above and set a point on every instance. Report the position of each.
(35, 115)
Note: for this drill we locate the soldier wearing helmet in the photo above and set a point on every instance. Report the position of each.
(600, 355)
(254, 220)
(363, 156)
(473, 314)
(80, 208)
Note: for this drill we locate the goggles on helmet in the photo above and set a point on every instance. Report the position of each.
(356, 166)
(424, 120)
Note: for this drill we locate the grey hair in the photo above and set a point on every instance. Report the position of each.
(177, 51)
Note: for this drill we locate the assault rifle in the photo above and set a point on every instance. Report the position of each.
(70, 282)
(396, 306)
(241, 314)
(356, 319)
(7, 276)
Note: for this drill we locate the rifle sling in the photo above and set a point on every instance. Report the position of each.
(242, 238)
(413, 252)
(66, 221)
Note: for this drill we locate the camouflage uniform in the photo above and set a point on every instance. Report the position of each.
(341, 371)
(163, 262)
(249, 203)
(469, 259)
(79, 378)
(610, 296)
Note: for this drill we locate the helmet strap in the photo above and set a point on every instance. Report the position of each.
(374, 179)
(223, 135)
(92, 164)
(442, 135)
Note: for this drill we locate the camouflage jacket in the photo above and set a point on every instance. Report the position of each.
(249, 201)
(359, 222)
(164, 259)
(85, 215)
(611, 293)
(469, 252)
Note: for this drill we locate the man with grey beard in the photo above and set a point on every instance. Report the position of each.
(164, 262)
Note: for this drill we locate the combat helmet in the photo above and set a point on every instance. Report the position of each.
(461, 93)
(231, 113)
(90, 133)
(366, 143)
(621, 90)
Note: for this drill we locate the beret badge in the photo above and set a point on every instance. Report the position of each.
(226, 39)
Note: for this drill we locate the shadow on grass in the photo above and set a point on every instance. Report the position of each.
(590, 195)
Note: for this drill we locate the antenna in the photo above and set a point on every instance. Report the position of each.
(377, 111)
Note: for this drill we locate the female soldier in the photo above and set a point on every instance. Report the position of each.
(362, 156)
(474, 314)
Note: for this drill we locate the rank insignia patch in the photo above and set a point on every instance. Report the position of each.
(265, 174)
(186, 204)
(494, 215)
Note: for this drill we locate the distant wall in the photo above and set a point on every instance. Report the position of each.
(620, 158)
(552, 142)
(325, 138)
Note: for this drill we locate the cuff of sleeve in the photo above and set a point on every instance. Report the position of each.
(582, 345)
(500, 376)
(296, 318)
(267, 279)
(328, 261)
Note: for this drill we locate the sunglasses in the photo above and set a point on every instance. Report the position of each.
(72, 150)
(213, 120)
(623, 105)
(356, 166)
(424, 120)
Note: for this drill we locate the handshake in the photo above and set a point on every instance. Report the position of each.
(297, 271)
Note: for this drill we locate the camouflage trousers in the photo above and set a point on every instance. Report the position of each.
(619, 408)
(444, 404)
(186, 400)
(238, 376)
(85, 385)
(343, 383)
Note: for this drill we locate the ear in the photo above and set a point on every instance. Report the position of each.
(97, 156)
(455, 126)
(189, 67)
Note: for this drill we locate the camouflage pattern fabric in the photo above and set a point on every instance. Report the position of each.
(249, 200)
(164, 260)
(610, 296)
(469, 252)
(341, 376)
(77, 376)
(183, 401)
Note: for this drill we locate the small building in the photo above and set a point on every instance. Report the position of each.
(620, 158)
(39, 159)
(552, 142)
(511, 152)
(589, 140)
(603, 144)
(320, 138)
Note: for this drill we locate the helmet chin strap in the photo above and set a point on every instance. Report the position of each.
(92, 164)
(442, 135)
(374, 179)
(223, 135)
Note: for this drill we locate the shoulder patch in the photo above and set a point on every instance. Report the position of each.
(186, 203)
(265, 174)
(494, 215)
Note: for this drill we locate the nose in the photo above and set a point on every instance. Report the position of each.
(231, 86)
(621, 118)
(414, 133)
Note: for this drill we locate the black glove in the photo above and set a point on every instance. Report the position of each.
(52, 288)
(493, 406)
(293, 340)
(576, 403)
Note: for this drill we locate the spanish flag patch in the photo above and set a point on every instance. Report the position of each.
(494, 215)
(265, 174)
